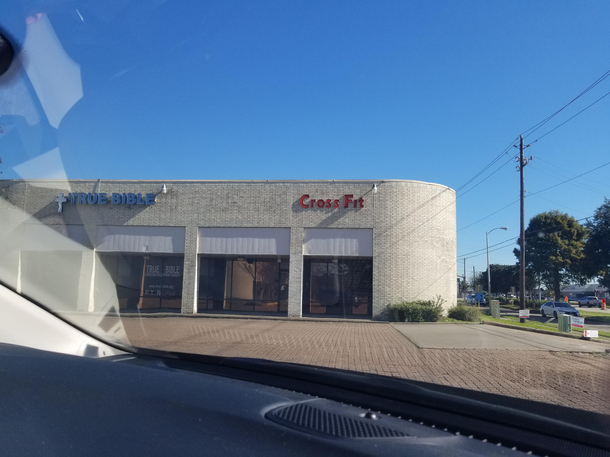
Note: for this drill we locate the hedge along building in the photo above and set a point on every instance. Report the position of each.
(295, 248)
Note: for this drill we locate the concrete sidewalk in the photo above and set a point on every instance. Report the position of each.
(477, 336)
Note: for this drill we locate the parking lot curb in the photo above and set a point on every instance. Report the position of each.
(546, 332)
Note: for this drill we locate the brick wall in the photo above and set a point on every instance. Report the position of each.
(414, 232)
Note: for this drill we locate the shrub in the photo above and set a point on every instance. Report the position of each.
(464, 313)
(417, 311)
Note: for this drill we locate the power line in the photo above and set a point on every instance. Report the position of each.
(482, 171)
(571, 179)
(516, 239)
(484, 249)
(544, 121)
(535, 193)
(485, 179)
(532, 130)
(489, 165)
(491, 250)
(569, 119)
(554, 228)
(548, 162)
(578, 184)
(563, 206)
(489, 215)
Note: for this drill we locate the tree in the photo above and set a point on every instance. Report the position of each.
(597, 247)
(503, 277)
(554, 249)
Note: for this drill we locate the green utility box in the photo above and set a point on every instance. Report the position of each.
(494, 308)
(565, 323)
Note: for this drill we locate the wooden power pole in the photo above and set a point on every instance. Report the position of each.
(522, 163)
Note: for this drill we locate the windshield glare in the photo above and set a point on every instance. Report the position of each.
(322, 183)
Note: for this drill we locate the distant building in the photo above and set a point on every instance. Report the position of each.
(587, 289)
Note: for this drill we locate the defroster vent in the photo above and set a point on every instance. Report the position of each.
(340, 423)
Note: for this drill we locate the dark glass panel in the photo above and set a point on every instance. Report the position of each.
(337, 286)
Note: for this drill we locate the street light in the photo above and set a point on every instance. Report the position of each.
(488, 272)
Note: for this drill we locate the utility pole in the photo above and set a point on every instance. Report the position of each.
(464, 277)
(474, 279)
(522, 163)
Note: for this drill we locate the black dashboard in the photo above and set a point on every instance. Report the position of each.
(55, 404)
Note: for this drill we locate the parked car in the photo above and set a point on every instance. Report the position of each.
(589, 301)
(471, 299)
(554, 308)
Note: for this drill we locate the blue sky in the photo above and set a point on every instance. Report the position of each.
(430, 91)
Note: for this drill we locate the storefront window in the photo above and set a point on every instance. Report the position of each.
(146, 282)
(338, 287)
(243, 284)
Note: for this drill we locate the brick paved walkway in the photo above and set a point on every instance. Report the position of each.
(565, 378)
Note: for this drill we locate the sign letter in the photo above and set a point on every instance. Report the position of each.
(347, 200)
(131, 199)
(302, 201)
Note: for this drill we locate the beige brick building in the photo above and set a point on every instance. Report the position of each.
(295, 248)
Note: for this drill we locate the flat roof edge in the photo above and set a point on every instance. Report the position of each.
(232, 181)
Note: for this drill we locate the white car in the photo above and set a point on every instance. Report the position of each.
(554, 308)
(589, 301)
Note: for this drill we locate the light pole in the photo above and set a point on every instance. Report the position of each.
(488, 272)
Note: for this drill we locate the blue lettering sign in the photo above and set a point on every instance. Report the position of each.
(102, 198)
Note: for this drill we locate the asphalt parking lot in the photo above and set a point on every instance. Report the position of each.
(568, 376)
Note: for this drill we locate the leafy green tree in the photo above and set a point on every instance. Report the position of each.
(503, 277)
(554, 249)
(597, 247)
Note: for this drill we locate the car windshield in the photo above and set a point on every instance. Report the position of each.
(327, 183)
